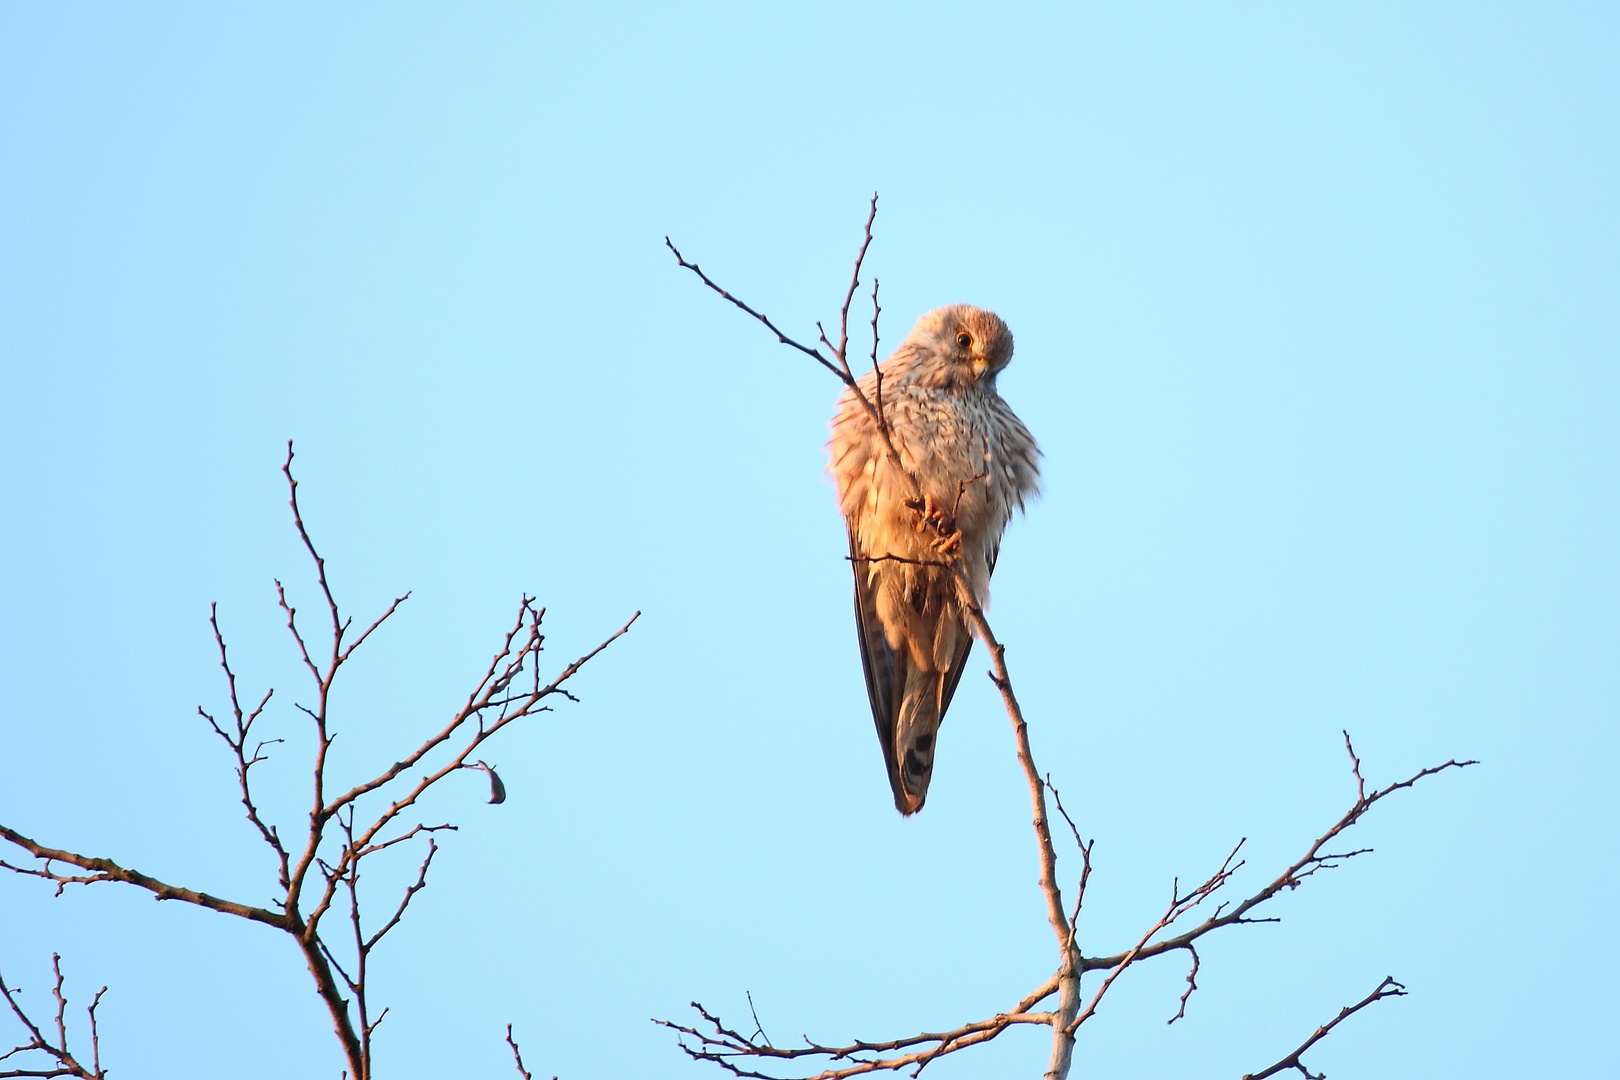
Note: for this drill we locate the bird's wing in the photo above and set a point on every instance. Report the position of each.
(885, 669)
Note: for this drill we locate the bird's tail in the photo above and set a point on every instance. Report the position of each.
(916, 726)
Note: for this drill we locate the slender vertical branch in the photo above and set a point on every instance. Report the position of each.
(38, 1056)
(849, 296)
(237, 740)
(517, 1056)
(877, 368)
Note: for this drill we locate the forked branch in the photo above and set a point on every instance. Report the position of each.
(1387, 989)
(751, 1057)
(366, 819)
(739, 1054)
(1315, 859)
(38, 1055)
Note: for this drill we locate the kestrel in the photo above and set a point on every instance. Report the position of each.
(974, 461)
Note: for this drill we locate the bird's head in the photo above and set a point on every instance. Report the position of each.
(969, 344)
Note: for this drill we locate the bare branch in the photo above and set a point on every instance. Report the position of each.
(759, 1029)
(517, 1055)
(482, 734)
(338, 625)
(877, 369)
(849, 297)
(404, 901)
(1387, 989)
(1192, 984)
(495, 680)
(1085, 861)
(378, 621)
(726, 1047)
(237, 741)
(337, 839)
(814, 354)
(841, 369)
(1179, 906)
(59, 1060)
(941, 563)
(107, 870)
(1306, 865)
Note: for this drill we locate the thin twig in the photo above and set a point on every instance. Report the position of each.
(61, 1061)
(814, 354)
(725, 1047)
(517, 1055)
(1085, 860)
(1387, 989)
(877, 369)
(1305, 866)
(1192, 984)
(1179, 906)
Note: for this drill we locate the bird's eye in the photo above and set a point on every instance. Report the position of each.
(964, 339)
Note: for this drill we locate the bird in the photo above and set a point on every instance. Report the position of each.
(974, 461)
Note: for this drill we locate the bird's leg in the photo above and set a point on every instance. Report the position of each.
(927, 513)
(933, 518)
(949, 543)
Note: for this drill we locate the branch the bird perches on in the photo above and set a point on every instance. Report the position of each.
(747, 1055)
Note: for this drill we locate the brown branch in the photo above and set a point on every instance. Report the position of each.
(877, 369)
(338, 624)
(1069, 962)
(1179, 906)
(1192, 984)
(725, 1046)
(814, 354)
(1387, 989)
(237, 741)
(511, 688)
(1305, 866)
(504, 668)
(941, 563)
(363, 945)
(1085, 861)
(61, 1060)
(481, 734)
(841, 369)
(405, 901)
(517, 1055)
(107, 870)
(484, 697)
(849, 296)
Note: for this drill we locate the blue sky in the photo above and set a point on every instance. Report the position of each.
(1315, 317)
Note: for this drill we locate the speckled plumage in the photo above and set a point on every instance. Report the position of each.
(949, 426)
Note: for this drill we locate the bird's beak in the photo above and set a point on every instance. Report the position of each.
(980, 366)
